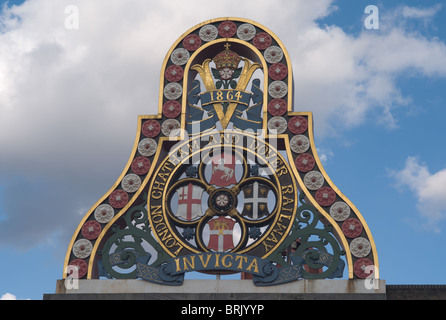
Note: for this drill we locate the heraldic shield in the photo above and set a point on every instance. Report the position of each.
(225, 178)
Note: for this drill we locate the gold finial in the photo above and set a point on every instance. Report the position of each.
(227, 45)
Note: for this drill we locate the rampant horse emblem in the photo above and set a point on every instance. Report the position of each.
(223, 170)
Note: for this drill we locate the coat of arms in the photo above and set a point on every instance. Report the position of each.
(256, 201)
(189, 202)
(221, 232)
(223, 170)
(224, 196)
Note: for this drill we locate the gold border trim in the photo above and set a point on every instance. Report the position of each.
(181, 137)
(326, 214)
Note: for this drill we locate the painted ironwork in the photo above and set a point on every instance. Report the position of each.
(225, 178)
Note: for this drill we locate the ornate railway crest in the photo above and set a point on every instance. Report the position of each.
(225, 178)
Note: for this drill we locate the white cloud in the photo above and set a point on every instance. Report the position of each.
(428, 188)
(343, 79)
(420, 13)
(8, 296)
(69, 99)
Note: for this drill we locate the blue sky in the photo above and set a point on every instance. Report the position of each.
(69, 106)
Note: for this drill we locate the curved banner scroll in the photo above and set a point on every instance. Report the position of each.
(264, 272)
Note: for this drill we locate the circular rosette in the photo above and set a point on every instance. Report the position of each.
(174, 73)
(104, 213)
(277, 107)
(299, 143)
(140, 165)
(246, 31)
(82, 248)
(277, 125)
(208, 33)
(131, 183)
(262, 40)
(171, 127)
(278, 89)
(305, 162)
(340, 211)
(222, 200)
(180, 56)
(185, 201)
(352, 228)
(192, 42)
(273, 54)
(118, 198)
(78, 269)
(227, 29)
(298, 125)
(363, 268)
(314, 180)
(147, 147)
(151, 128)
(360, 247)
(325, 196)
(91, 229)
(172, 109)
(173, 91)
(278, 71)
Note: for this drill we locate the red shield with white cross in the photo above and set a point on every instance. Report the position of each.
(223, 170)
(221, 234)
(189, 202)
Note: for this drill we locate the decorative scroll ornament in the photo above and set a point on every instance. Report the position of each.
(225, 177)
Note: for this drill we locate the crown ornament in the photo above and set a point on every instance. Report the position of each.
(227, 59)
